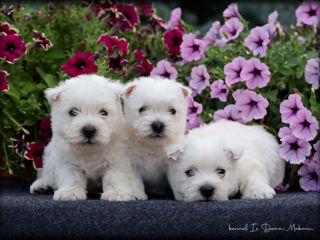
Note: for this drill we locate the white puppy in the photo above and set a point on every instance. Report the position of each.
(218, 160)
(87, 141)
(155, 115)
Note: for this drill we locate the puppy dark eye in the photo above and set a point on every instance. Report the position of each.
(73, 112)
(190, 172)
(221, 171)
(142, 109)
(172, 111)
(103, 112)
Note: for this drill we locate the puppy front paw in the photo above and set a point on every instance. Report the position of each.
(258, 191)
(70, 194)
(113, 195)
(39, 186)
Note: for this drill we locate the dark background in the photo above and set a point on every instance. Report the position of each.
(201, 14)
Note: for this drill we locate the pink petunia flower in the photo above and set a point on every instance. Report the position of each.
(231, 11)
(3, 83)
(316, 155)
(117, 62)
(231, 29)
(310, 176)
(41, 40)
(143, 64)
(294, 150)
(304, 125)
(290, 107)
(271, 30)
(273, 17)
(34, 153)
(125, 15)
(257, 41)
(175, 19)
(229, 112)
(191, 48)
(219, 90)
(308, 13)
(212, 36)
(11, 47)
(113, 43)
(194, 108)
(283, 133)
(255, 73)
(197, 122)
(312, 72)
(199, 79)
(251, 105)
(173, 39)
(165, 70)
(233, 69)
(281, 188)
(236, 94)
(6, 29)
(82, 63)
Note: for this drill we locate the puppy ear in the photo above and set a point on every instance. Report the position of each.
(130, 90)
(234, 152)
(175, 152)
(52, 94)
(186, 91)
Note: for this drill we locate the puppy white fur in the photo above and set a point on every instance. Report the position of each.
(218, 160)
(155, 117)
(87, 142)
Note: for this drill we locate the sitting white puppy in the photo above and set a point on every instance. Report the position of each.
(87, 142)
(155, 115)
(218, 160)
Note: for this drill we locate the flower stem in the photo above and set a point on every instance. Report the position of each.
(14, 121)
(6, 157)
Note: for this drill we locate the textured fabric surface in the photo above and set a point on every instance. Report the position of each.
(27, 216)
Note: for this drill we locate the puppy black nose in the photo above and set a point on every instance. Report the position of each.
(88, 131)
(157, 127)
(206, 191)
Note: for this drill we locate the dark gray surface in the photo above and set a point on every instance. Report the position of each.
(26, 216)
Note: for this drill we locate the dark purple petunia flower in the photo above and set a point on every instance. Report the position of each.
(8, 11)
(113, 43)
(143, 64)
(41, 40)
(290, 107)
(19, 145)
(3, 83)
(45, 130)
(173, 39)
(117, 62)
(255, 73)
(125, 15)
(164, 69)
(6, 29)
(233, 69)
(34, 153)
(281, 188)
(251, 105)
(82, 63)
(11, 47)
(219, 90)
(310, 176)
(145, 7)
(304, 126)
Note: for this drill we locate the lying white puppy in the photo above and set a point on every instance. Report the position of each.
(218, 160)
(87, 142)
(155, 115)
